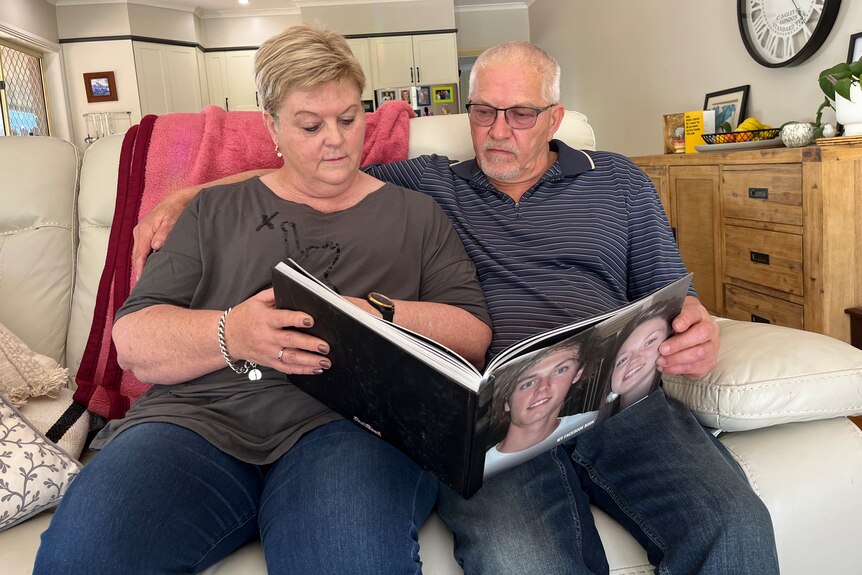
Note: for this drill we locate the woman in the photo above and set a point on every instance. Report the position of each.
(224, 448)
(529, 399)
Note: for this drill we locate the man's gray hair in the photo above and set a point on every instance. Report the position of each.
(518, 52)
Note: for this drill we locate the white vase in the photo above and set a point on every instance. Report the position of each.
(849, 112)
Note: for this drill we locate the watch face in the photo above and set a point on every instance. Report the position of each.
(785, 32)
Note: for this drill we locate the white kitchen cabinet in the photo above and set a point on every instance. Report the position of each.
(362, 51)
(230, 78)
(421, 59)
(168, 78)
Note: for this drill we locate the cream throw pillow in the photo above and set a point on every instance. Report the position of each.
(767, 375)
(24, 373)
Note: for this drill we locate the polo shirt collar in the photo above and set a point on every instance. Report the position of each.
(570, 163)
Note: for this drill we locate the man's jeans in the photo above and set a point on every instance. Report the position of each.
(671, 484)
(160, 499)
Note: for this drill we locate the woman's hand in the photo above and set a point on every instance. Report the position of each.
(255, 331)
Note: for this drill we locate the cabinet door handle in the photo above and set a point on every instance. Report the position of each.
(411, 74)
(758, 319)
(226, 107)
(256, 101)
(758, 193)
(417, 75)
(759, 258)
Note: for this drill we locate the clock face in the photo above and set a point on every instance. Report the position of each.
(785, 32)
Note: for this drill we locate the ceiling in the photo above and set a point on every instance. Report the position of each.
(254, 5)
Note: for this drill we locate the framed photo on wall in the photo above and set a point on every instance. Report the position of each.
(729, 105)
(855, 51)
(423, 96)
(443, 94)
(100, 87)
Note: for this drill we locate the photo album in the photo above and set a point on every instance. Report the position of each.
(462, 424)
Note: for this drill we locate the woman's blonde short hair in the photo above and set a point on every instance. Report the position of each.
(302, 57)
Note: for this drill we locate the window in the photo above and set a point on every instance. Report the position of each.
(22, 92)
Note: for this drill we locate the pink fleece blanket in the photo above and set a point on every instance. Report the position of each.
(167, 153)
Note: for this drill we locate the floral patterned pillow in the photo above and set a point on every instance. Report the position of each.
(34, 473)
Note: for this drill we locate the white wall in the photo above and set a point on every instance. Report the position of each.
(93, 20)
(249, 31)
(626, 63)
(380, 17)
(162, 23)
(34, 16)
(479, 29)
(114, 55)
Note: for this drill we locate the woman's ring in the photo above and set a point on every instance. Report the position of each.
(280, 354)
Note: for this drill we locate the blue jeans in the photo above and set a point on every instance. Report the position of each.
(160, 499)
(652, 468)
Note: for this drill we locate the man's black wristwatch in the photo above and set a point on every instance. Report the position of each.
(382, 304)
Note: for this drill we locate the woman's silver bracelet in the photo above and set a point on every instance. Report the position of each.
(247, 366)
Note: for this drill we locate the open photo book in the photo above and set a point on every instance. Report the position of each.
(462, 424)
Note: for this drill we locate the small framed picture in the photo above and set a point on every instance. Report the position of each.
(674, 133)
(729, 105)
(423, 96)
(443, 94)
(855, 51)
(100, 87)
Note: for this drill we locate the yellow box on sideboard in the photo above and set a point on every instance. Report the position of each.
(698, 123)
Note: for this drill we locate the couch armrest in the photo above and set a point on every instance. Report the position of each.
(810, 477)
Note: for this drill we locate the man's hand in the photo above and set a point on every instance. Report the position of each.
(151, 232)
(693, 349)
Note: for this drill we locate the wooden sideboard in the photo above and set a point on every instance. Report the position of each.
(772, 235)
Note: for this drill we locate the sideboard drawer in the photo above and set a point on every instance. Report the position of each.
(768, 193)
(746, 305)
(767, 258)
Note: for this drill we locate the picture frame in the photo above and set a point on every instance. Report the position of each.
(423, 96)
(855, 50)
(100, 87)
(674, 133)
(443, 94)
(729, 105)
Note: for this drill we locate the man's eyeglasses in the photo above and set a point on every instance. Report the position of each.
(518, 117)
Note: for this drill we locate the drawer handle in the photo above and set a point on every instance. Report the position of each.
(758, 193)
(758, 319)
(759, 258)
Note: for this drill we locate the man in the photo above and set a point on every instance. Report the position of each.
(558, 235)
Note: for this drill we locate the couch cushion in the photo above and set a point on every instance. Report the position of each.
(37, 192)
(767, 374)
(34, 473)
(97, 198)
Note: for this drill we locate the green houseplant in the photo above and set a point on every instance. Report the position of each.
(837, 80)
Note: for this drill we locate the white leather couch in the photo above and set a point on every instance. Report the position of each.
(53, 239)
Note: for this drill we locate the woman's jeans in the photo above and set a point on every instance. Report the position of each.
(160, 499)
(652, 468)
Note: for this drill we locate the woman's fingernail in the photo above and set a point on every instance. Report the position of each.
(325, 363)
(323, 348)
(317, 371)
(307, 322)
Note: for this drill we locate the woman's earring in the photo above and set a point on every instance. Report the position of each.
(278, 152)
(612, 397)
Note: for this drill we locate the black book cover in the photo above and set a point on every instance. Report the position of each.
(437, 422)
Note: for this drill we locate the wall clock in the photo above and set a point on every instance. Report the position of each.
(785, 32)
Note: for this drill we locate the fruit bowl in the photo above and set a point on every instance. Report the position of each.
(746, 136)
